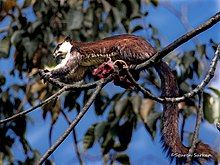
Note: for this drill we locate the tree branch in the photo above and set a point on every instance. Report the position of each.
(186, 37)
(196, 132)
(190, 94)
(65, 88)
(73, 124)
(180, 15)
(212, 21)
(74, 138)
(33, 108)
(99, 84)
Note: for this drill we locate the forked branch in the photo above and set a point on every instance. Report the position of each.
(208, 24)
(186, 37)
(190, 94)
(196, 132)
(73, 124)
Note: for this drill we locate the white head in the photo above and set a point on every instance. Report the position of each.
(62, 49)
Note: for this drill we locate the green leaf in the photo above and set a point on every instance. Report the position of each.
(101, 102)
(201, 49)
(117, 15)
(111, 115)
(27, 3)
(70, 100)
(134, 9)
(16, 37)
(55, 112)
(88, 18)
(154, 31)
(124, 135)
(151, 123)
(136, 103)
(4, 48)
(20, 127)
(156, 41)
(136, 28)
(122, 158)
(188, 58)
(74, 19)
(106, 6)
(30, 46)
(120, 107)
(2, 80)
(147, 106)
(101, 129)
(208, 108)
(89, 137)
(216, 91)
(154, 2)
(197, 67)
(108, 143)
(212, 110)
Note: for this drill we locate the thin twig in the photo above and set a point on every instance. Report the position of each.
(181, 15)
(190, 94)
(186, 37)
(59, 84)
(74, 138)
(33, 108)
(27, 90)
(196, 132)
(72, 125)
(213, 20)
(65, 88)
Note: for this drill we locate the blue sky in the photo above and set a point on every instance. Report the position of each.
(142, 150)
